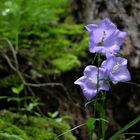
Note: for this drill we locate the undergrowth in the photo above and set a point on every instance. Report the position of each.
(14, 126)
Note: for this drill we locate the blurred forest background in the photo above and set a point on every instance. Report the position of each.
(43, 50)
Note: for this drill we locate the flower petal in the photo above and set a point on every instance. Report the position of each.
(105, 86)
(91, 27)
(121, 37)
(108, 64)
(89, 94)
(122, 61)
(106, 23)
(81, 81)
(121, 75)
(105, 38)
(97, 35)
(89, 70)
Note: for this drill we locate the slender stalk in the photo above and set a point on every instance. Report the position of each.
(104, 116)
(69, 130)
(90, 136)
(96, 99)
(94, 114)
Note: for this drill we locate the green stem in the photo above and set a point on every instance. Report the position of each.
(90, 136)
(94, 114)
(95, 104)
(104, 116)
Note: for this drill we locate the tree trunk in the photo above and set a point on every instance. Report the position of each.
(124, 13)
(123, 104)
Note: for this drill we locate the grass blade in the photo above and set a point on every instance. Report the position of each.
(118, 133)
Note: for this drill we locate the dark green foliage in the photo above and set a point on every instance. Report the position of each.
(21, 127)
(47, 42)
(43, 33)
(7, 136)
(10, 80)
(9, 131)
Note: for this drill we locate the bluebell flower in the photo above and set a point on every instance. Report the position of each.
(105, 38)
(91, 83)
(117, 69)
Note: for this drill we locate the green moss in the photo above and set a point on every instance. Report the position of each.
(21, 127)
(66, 62)
(44, 34)
(8, 130)
(7, 136)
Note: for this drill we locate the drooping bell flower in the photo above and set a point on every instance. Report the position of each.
(116, 69)
(105, 38)
(93, 81)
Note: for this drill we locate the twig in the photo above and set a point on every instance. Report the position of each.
(15, 68)
(8, 61)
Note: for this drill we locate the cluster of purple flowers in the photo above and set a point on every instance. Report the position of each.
(106, 39)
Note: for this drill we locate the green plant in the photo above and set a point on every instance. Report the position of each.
(7, 136)
(25, 104)
(42, 32)
(55, 116)
(45, 40)
(24, 127)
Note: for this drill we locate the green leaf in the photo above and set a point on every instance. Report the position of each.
(90, 123)
(18, 89)
(53, 115)
(126, 127)
(58, 120)
(16, 99)
(31, 106)
(3, 97)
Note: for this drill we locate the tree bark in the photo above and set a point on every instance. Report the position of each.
(123, 104)
(124, 13)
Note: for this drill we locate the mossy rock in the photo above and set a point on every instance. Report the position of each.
(14, 126)
(11, 132)
(7, 136)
